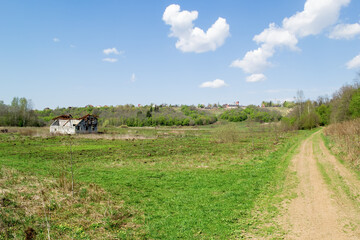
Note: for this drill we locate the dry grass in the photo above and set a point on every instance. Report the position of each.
(227, 134)
(345, 138)
(45, 133)
(29, 131)
(29, 205)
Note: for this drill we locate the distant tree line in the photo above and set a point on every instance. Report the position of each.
(252, 113)
(19, 113)
(344, 105)
(287, 104)
(132, 116)
(305, 114)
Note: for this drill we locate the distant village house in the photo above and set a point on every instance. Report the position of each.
(232, 106)
(66, 124)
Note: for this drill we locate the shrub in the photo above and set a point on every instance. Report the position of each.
(226, 134)
(346, 139)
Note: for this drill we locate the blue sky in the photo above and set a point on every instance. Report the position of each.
(74, 53)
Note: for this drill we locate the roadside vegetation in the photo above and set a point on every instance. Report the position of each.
(343, 139)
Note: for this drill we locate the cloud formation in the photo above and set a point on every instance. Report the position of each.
(109, 51)
(316, 16)
(194, 39)
(217, 83)
(254, 61)
(354, 63)
(345, 31)
(56, 39)
(110, 60)
(257, 77)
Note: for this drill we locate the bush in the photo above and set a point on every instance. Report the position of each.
(226, 134)
(234, 115)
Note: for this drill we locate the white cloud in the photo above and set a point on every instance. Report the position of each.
(256, 77)
(345, 31)
(276, 36)
(56, 40)
(133, 77)
(254, 61)
(111, 60)
(354, 63)
(109, 51)
(194, 39)
(316, 16)
(72, 46)
(214, 84)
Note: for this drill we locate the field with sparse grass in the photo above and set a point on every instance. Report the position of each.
(143, 183)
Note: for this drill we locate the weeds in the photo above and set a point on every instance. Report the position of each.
(345, 140)
(31, 207)
(227, 134)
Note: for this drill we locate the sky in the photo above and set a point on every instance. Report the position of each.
(74, 53)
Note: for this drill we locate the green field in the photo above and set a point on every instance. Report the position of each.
(150, 183)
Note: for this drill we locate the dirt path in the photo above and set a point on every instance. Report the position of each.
(327, 203)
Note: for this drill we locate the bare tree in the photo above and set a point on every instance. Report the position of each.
(299, 99)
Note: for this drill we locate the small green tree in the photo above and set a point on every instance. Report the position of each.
(324, 114)
(354, 106)
(148, 114)
(309, 118)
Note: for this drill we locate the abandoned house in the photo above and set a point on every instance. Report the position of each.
(66, 124)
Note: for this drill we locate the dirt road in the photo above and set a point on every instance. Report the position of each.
(327, 205)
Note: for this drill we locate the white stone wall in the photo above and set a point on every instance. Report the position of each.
(62, 129)
(71, 127)
(64, 126)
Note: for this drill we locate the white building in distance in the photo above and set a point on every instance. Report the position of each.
(66, 124)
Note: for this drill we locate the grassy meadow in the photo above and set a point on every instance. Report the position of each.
(144, 183)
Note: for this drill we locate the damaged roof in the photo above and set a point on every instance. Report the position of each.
(86, 116)
(69, 117)
(63, 117)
